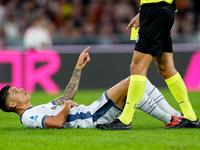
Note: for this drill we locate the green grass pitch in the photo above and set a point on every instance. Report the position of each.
(148, 133)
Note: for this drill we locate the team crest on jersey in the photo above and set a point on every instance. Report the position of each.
(54, 107)
(34, 118)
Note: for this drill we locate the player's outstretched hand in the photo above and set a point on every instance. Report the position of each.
(83, 58)
(135, 22)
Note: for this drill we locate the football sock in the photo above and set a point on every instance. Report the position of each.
(150, 107)
(157, 96)
(135, 92)
(179, 91)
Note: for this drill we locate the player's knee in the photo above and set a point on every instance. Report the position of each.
(127, 81)
(124, 83)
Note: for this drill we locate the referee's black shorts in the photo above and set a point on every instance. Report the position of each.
(156, 21)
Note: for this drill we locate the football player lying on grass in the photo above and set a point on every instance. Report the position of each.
(63, 112)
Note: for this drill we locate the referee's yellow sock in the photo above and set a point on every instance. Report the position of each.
(135, 92)
(179, 91)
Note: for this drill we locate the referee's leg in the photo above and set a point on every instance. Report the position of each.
(139, 66)
(175, 83)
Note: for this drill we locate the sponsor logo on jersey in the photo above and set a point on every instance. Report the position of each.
(34, 118)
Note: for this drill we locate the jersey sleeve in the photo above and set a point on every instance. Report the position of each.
(33, 119)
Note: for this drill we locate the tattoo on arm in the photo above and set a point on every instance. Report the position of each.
(71, 88)
(60, 100)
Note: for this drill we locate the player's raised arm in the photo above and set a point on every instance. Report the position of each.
(73, 84)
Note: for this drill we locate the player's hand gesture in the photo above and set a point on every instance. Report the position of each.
(135, 22)
(83, 58)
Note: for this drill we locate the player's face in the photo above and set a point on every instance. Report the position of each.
(18, 95)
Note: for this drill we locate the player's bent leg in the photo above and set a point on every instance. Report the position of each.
(118, 92)
(118, 95)
(149, 106)
(139, 66)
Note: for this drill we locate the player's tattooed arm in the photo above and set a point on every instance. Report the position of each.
(71, 88)
(73, 84)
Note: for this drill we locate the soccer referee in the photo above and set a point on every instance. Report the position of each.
(154, 20)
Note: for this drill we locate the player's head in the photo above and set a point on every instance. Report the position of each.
(12, 98)
(3, 97)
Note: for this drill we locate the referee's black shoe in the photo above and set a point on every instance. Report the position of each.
(115, 125)
(185, 123)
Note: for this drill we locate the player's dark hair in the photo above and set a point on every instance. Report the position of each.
(3, 96)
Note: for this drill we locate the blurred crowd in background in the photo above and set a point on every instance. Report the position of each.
(66, 22)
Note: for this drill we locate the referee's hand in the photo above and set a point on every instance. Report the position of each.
(135, 22)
